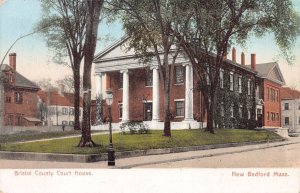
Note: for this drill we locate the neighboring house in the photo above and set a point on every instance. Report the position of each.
(138, 91)
(57, 107)
(268, 92)
(20, 97)
(290, 104)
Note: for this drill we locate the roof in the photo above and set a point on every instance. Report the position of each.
(289, 93)
(20, 80)
(55, 98)
(270, 71)
(118, 51)
(32, 119)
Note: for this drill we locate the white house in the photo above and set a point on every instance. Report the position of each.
(290, 105)
(57, 107)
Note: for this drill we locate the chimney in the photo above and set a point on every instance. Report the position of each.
(243, 58)
(233, 55)
(12, 60)
(61, 89)
(253, 61)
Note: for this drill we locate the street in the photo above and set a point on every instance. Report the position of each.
(261, 155)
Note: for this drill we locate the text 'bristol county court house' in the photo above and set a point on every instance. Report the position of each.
(245, 92)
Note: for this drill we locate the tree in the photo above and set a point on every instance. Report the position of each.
(65, 35)
(149, 25)
(45, 84)
(68, 82)
(93, 10)
(211, 27)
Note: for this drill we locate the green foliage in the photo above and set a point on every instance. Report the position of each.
(99, 109)
(135, 128)
(154, 140)
(233, 99)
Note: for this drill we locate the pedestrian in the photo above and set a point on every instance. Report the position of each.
(63, 127)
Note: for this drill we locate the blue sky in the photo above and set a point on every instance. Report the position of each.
(18, 17)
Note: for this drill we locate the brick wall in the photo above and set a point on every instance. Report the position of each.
(28, 106)
(271, 104)
(139, 91)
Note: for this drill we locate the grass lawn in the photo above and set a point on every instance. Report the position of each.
(34, 135)
(154, 140)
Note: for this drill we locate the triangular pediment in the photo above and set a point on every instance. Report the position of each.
(275, 74)
(117, 50)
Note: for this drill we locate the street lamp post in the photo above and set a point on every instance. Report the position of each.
(110, 150)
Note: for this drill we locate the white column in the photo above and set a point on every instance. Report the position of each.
(99, 84)
(125, 102)
(188, 93)
(155, 93)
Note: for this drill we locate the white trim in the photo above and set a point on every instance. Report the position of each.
(178, 100)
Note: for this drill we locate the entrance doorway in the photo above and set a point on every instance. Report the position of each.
(147, 111)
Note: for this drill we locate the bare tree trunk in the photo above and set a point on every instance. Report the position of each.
(210, 112)
(93, 13)
(167, 114)
(76, 76)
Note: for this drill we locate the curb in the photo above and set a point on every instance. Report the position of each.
(30, 156)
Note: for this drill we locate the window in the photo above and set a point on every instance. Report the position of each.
(8, 99)
(11, 78)
(207, 76)
(299, 105)
(120, 80)
(249, 87)
(120, 110)
(257, 91)
(299, 121)
(18, 97)
(277, 95)
(221, 78)
(231, 81)
(178, 75)
(268, 116)
(286, 120)
(64, 111)
(273, 95)
(222, 110)
(240, 84)
(273, 118)
(249, 113)
(71, 123)
(277, 116)
(149, 76)
(72, 111)
(64, 122)
(179, 106)
(286, 106)
(268, 93)
(19, 120)
(231, 111)
(241, 111)
(9, 120)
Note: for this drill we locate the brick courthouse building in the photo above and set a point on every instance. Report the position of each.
(138, 92)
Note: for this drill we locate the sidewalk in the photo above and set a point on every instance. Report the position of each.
(173, 157)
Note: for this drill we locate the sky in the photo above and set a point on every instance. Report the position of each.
(18, 17)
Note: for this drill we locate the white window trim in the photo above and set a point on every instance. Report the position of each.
(222, 78)
(179, 100)
(119, 110)
(240, 84)
(231, 75)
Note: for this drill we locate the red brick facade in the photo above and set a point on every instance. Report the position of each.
(20, 97)
(16, 111)
(272, 104)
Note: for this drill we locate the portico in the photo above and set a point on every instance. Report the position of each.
(134, 96)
